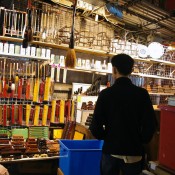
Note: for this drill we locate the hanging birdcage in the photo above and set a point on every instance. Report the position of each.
(86, 39)
(64, 34)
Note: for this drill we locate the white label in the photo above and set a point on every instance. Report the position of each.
(1, 47)
(64, 75)
(98, 64)
(28, 51)
(38, 52)
(62, 63)
(87, 64)
(52, 72)
(11, 48)
(33, 50)
(52, 58)
(43, 53)
(48, 53)
(17, 49)
(6, 47)
(23, 51)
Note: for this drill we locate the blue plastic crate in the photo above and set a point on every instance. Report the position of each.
(80, 157)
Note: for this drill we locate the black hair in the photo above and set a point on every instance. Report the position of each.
(123, 62)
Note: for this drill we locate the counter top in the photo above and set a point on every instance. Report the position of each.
(30, 159)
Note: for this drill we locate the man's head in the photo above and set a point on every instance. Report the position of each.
(122, 65)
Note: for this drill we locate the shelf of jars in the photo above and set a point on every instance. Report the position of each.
(11, 50)
(28, 57)
(58, 46)
(84, 50)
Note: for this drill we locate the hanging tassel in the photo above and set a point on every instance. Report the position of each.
(70, 60)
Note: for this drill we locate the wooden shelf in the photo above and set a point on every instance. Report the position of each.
(89, 51)
(57, 46)
(169, 63)
(158, 94)
(152, 76)
(23, 56)
(78, 69)
(108, 72)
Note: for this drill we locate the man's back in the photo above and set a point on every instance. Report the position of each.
(126, 112)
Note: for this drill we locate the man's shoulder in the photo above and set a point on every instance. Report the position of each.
(140, 89)
(105, 91)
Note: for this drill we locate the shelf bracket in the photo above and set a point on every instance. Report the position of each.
(171, 73)
(148, 68)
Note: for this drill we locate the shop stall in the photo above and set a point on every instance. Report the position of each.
(54, 61)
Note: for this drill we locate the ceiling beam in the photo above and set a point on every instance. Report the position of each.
(130, 3)
(150, 20)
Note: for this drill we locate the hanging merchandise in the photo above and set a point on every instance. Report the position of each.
(31, 81)
(28, 35)
(62, 109)
(71, 56)
(27, 84)
(9, 90)
(16, 80)
(4, 80)
(1, 115)
(13, 81)
(1, 85)
(42, 84)
(36, 115)
(20, 83)
(20, 114)
(53, 103)
(12, 114)
(28, 109)
(4, 115)
(45, 114)
(73, 111)
(36, 86)
(47, 83)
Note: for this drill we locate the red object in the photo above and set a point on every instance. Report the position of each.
(5, 115)
(28, 89)
(170, 5)
(12, 114)
(167, 137)
(57, 110)
(20, 114)
(49, 112)
(20, 89)
(4, 89)
(40, 113)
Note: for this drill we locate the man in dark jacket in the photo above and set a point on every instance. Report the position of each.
(125, 119)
